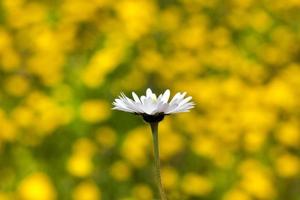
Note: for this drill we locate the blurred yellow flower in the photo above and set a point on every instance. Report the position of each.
(103, 62)
(94, 111)
(262, 118)
(17, 85)
(106, 137)
(221, 36)
(51, 72)
(154, 56)
(86, 190)
(253, 141)
(279, 94)
(84, 146)
(10, 60)
(126, 83)
(5, 40)
(23, 116)
(8, 128)
(262, 185)
(142, 192)
(287, 165)
(120, 171)
(288, 134)
(260, 21)
(170, 178)
(18, 18)
(80, 165)
(170, 19)
(236, 194)
(136, 16)
(242, 3)
(205, 146)
(194, 184)
(80, 162)
(5, 196)
(36, 186)
(45, 113)
(171, 143)
(193, 36)
(135, 146)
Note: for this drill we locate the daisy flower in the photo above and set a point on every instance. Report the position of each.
(153, 108)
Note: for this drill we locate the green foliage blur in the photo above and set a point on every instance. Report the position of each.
(62, 63)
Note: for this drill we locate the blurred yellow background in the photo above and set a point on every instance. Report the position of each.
(63, 62)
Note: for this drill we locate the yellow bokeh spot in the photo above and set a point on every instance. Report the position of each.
(260, 21)
(17, 85)
(8, 129)
(236, 195)
(242, 3)
(279, 94)
(103, 62)
(262, 185)
(288, 134)
(45, 113)
(142, 192)
(253, 141)
(10, 60)
(171, 143)
(80, 162)
(287, 165)
(23, 116)
(5, 39)
(193, 36)
(94, 111)
(87, 190)
(205, 146)
(170, 19)
(135, 146)
(106, 136)
(84, 146)
(36, 187)
(194, 184)
(80, 165)
(19, 17)
(169, 178)
(5, 196)
(120, 171)
(136, 16)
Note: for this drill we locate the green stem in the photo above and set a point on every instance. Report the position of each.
(154, 129)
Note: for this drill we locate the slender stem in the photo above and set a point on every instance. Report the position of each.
(154, 129)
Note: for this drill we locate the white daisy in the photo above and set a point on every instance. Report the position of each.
(153, 108)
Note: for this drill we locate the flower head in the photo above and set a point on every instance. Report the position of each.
(153, 108)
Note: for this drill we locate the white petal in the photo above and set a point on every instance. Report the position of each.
(143, 99)
(166, 96)
(122, 109)
(147, 105)
(135, 97)
(153, 97)
(184, 108)
(159, 97)
(171, 108)
(175, 98)
(185, 100)
(162, 107)
(121, 106)
(133, 105)
(149, 92)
